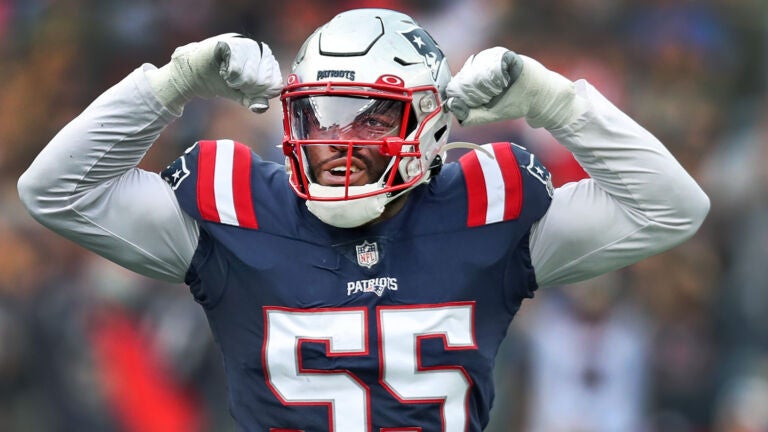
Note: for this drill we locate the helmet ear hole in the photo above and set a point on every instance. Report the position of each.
(436, 166)
(440, 132)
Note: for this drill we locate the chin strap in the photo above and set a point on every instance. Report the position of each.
(465, 145)
(346, 213)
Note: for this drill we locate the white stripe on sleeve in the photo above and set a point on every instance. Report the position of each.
(222, 182)
(494, 186)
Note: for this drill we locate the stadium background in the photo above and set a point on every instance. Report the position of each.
(678, 342)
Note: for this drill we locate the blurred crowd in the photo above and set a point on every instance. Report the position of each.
(678, 342)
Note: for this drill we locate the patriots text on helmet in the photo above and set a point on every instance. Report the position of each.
(336, 73)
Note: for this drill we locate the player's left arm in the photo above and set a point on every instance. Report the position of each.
(638, 201)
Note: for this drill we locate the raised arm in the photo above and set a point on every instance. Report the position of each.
(85, 185)
(638, 201)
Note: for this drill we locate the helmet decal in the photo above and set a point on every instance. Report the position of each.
(391, 80)
(336, 73)
(423, 43)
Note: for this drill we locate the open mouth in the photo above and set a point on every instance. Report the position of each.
(335, 173)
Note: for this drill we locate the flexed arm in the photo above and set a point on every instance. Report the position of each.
(85, 185)
(638, 201)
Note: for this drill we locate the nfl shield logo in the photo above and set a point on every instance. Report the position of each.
(367, 254)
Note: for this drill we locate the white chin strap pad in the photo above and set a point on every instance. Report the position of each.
(346, 213)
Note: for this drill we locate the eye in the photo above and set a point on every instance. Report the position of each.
(376, 126)
(378, 122)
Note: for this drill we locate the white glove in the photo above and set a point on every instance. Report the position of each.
(228, 65)
(497, 84)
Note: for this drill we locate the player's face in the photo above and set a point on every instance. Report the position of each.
(359, 120)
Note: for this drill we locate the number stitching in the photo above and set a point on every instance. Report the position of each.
(291, 386)
(405, 380)
(401, 331)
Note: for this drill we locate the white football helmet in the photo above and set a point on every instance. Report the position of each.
(362, 66)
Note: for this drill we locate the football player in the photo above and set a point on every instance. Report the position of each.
(365, 284)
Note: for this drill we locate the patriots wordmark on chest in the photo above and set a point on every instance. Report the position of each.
(367, 254)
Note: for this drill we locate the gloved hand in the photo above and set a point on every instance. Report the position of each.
(498, 84)
(228, 65)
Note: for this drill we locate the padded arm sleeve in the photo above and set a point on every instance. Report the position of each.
(638, 202)
(85, 185)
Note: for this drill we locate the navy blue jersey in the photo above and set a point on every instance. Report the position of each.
(388, 327)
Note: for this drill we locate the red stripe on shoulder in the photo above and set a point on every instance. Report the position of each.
(241, 187)
(513, 180)
(206, 196)
(477, 197)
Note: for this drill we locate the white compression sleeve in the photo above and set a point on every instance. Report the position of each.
(85, 185)
(638, 202)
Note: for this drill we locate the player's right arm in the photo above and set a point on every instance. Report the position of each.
(85, 185)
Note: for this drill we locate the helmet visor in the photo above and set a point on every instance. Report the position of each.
(324, 117)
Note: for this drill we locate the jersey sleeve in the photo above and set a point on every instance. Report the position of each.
(212, 183)
(224, 182)
(238, 200)
(504, 182)
(509, 189)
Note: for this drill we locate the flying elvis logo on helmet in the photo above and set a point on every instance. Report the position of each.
(427, 47)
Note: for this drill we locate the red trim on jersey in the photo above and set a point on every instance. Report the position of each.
(206, 197)
(477, 197)
(408, 429)
(241, 187)
(513, 180)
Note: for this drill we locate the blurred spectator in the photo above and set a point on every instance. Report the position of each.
(588, 359)
(678, 290)
(743, 402)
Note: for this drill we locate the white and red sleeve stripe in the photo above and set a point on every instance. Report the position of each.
(494, 185)
(224, 183)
